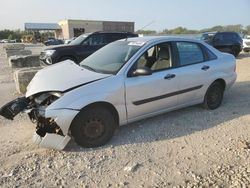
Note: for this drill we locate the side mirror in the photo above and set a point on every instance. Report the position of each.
(145, 71)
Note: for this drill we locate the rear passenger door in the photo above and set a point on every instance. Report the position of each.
(193, 71)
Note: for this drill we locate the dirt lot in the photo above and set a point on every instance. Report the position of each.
(192, 147)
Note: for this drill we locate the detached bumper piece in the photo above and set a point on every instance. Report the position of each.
(11, 109)
(52, 141)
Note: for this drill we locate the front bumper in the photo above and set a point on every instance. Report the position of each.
(53, 141)
(11, 109)
(47, 60)
(246, 48)
(52, 125)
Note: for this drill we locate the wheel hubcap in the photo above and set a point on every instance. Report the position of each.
(93, 128)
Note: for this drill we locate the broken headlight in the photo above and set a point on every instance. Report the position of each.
(46, 99)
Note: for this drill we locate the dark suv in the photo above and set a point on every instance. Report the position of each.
(229, 42)
(81, 47)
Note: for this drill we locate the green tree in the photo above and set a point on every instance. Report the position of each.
(146, 32)
(248, 29)
(10, 37)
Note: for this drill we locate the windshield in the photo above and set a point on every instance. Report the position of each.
(207, 36)
(111, 58)
(79, 39)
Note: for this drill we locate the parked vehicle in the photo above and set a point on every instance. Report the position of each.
(53, 41)
(5, 41)
(229, 42)
(125, 81)
(246, 43)
(81, 47)
(8, 41)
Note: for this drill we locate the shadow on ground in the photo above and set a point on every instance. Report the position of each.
(181, 122)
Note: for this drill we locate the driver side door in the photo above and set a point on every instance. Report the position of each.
(151, 94)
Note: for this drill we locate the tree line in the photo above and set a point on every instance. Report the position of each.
(182, 30)
(17, 34)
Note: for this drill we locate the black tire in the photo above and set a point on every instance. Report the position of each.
(67, 58)
(93, 127)
(235, 51)
(245, 50)
(214, 96)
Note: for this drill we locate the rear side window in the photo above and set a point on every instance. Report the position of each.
(210, 55)
(189, 53)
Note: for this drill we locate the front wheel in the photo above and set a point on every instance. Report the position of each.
(93, 127)
(214, 96)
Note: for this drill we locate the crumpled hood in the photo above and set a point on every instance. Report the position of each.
(61, 77)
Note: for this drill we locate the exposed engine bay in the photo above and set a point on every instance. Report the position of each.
(36, 112)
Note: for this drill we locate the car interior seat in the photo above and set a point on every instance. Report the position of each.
(163, 60)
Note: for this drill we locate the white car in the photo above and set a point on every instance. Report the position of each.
(246, 43)
(125, 81)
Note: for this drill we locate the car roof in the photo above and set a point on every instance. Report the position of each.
(211, 32)
(113, 32)
(105, 32)
(149, 39)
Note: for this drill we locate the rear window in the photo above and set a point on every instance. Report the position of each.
(227, 36)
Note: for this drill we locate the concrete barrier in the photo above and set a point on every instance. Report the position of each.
(23, 77)
(14, 46)
(11, 52)
(24, 61)
(14, 49)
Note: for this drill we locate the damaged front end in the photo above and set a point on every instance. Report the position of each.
(11, 109)
(48, 133)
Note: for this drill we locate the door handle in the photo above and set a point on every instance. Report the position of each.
(169, 76)
(205, 68)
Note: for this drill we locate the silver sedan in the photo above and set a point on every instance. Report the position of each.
(125, 81)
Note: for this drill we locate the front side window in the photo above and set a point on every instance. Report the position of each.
(189, 53)
(111, 58)
(156, 58)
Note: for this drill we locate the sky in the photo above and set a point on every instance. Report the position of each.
(155, 14)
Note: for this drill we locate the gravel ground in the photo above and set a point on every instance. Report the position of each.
(191, 147)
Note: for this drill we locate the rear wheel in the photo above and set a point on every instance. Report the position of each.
(93, 127)
(235, 51)
(245, 50)
(214, 96)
